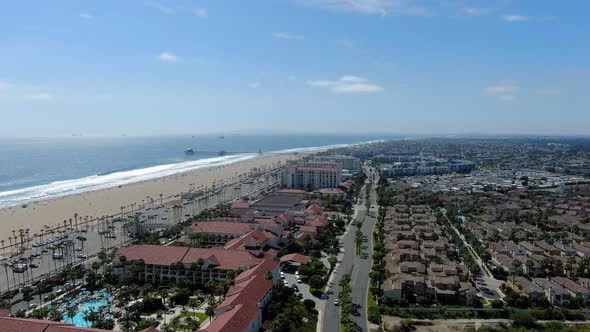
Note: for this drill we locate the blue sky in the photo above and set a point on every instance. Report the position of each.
(164, 67)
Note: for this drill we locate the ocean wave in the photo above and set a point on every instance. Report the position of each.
(124, 176)
(111, 179)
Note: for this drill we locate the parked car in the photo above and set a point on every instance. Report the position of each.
(336, 302)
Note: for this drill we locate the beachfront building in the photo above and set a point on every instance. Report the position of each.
(313, 175)
(157, 263)
(10, 324)
(217, 233)
(349, 163)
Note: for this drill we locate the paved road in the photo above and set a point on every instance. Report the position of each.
(358, 267)
(489, 287)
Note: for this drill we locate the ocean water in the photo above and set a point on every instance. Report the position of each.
(38, 168)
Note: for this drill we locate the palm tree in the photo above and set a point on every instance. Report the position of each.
(529, 264)
(71, 312)
(516, 264)
(210, 311)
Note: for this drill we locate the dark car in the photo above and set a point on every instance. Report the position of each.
(33, 266)
(295, 287)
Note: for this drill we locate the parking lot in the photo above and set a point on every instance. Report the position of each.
(291, 278)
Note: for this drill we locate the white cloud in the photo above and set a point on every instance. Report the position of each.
(254, 85)
(169, 57)
(164, 9)
(549, 92)
(475, 11)
(347, 84)
(515, 18)
(282, 35)
(369, 7)
(504, 92)
(497, 89)
(39, 96)
(200, 12)
(86, 16)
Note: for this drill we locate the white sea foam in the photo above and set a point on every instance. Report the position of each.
(109, 180)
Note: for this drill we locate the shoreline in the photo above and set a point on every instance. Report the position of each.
(108, 201)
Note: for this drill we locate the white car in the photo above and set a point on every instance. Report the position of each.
(299, 280)
(286, 283)
(336, 302)
(296, 273)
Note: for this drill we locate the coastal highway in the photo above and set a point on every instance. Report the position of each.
(359, 268)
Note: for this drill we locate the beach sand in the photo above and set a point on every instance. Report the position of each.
(109, 201)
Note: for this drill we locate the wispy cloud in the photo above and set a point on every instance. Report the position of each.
(254, 85)
(503, 92)
(200, 12)
(86, 16)
(475, 11)
(170, 10)
(513, 18)
(25, 92)
(163, 8)
(283, 35)
(369, 7)
(494, 89)
(39, 96)
(347, 84)
(169, 57)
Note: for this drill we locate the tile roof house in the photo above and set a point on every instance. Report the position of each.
(556, 295)
(573, 287)
(297, 258)
(522, 285)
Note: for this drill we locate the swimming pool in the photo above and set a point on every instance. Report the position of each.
(83, 308)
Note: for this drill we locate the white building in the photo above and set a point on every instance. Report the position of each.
(349, 163)
(313, 175)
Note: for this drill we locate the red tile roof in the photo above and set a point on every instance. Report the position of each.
(168, 255)
(308, 229)
(227, 259)
(249, 292)
(219, 227)
(9, 324)
(299, 258)
(256, 237)
(236, 319)
(331, 191)
(260, 269)
(153, 254)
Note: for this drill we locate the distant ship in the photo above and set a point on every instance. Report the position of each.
(189, 151)
(222, 153)
(221, 137)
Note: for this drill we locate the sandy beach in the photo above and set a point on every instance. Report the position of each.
(109, 201)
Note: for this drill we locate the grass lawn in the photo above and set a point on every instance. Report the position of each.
(177, 324)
